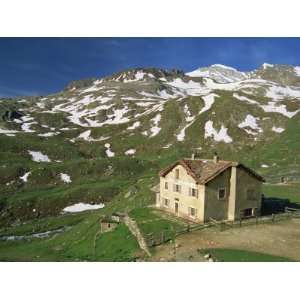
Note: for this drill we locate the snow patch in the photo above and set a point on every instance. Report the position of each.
(250, 121)
(297, 70)
(134, 125)
(266, 65)
(65, 177)
(8, 132)
(79, 207)
(24, 178)
(155, 129)
(278, 129)
(108, 151)
(281, 109)
(37, 156)
(218, 136)
(47, 134)
(208, 102)
(130, 152)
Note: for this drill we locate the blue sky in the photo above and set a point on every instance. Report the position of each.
(39, 66)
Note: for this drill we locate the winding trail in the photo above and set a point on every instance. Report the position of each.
(131, 224)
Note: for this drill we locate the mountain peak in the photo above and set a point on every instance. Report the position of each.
(220, 66)
(267, 65)
(219, 73)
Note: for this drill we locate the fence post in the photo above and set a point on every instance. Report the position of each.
(256, 219)
(240, 222)
(273, 218)
(162, 237)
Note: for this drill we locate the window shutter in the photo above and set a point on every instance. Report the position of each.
(196, 193)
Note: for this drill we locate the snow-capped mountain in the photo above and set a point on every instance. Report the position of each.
(217, 107)
(219, 73)
(138, 120)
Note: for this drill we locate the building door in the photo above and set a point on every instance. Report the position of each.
(176, 208)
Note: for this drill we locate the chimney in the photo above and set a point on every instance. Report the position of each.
(193, 156)
(216, 158)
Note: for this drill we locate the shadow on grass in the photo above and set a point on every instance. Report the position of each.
(274, 205)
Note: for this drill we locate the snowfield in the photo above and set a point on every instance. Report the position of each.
(37, 156)
(79, 207)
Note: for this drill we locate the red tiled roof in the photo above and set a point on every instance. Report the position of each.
(205, 170)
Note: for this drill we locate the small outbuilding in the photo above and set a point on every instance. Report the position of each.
(108, 224)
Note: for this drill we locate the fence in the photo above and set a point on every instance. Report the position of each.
(158, 238)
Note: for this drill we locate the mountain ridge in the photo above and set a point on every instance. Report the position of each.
(147, 117)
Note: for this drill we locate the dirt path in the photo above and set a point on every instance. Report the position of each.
(281, 239)
(131, 224)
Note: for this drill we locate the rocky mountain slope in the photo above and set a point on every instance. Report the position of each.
(136, 121)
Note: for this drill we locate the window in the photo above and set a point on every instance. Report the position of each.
(166, 202)
(250, 194)
(177, 173)
(166, 185)
(177, 188)
(222, 193)
(248, 212)
(192, 212)
(193, 192)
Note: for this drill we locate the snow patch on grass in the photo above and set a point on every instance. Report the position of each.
(48, 134)
(37, 156)
(250, 122)
(79, 207)
(155, 129)
(108, 151)
(281, 109)
(218, 136)
(8, 132)
(208, 102)
(65, 177)
(264, 166)
(278, 129)
(130, 152)
(134, 125)
(24, 178)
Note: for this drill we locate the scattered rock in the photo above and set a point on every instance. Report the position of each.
(207, 256)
